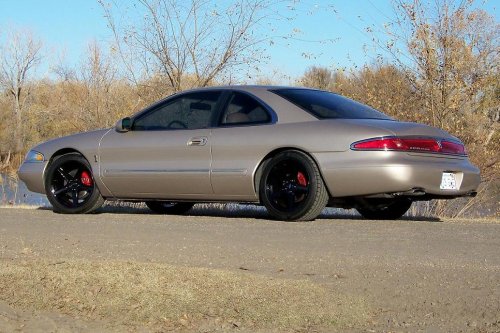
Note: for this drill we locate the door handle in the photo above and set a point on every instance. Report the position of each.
(197, 141)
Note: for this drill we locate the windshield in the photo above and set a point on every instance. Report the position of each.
(328, 105)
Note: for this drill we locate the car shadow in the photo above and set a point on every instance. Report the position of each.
(351, 214)
(234, 210)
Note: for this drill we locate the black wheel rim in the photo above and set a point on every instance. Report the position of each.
(288, 185)
(72, 184)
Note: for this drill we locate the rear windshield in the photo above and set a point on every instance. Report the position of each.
(328, 105)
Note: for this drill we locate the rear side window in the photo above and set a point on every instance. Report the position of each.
(328, 105)
(244, 110)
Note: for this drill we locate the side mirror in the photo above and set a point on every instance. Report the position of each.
(123, 125)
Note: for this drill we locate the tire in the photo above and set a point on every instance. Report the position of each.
(385, 209)
(70, 185)
(291, 187)
(165, 207)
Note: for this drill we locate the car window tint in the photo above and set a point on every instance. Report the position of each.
(188, 111)
(243, 109)
(325, 104)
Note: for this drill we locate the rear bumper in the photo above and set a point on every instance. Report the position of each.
(31, 174)
(355, 173)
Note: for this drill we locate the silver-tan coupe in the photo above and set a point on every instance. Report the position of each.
(293, 150)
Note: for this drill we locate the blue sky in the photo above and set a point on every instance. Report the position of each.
(68, 26)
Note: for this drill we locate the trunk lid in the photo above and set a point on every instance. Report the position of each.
(404, 128)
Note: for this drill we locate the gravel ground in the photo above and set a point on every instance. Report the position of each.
(413, 275)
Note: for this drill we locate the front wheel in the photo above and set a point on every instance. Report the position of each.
(70, 185)
(291, 187)
(384, 209)
(165, 207)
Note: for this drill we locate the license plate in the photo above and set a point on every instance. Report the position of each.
(448, 181)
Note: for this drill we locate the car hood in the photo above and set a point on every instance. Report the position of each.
(86, 143)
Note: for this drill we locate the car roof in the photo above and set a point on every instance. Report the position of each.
(246, 87)
(286, 111)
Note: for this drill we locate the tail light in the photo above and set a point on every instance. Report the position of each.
(423, 145)
(451, 147)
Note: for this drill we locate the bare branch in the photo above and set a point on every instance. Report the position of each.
(196, 39)
(20, 56)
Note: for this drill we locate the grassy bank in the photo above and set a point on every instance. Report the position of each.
(168, 297)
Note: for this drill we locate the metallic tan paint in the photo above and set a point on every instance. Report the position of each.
(155, 164)
(220, 164)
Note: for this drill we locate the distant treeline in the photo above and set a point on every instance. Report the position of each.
(70, 105)
(440, 67)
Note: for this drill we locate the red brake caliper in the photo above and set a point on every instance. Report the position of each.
(86, 179)
(301, 179)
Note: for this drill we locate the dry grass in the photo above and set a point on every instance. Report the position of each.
(163, 296)
(19, 206)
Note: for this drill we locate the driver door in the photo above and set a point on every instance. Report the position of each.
(166, 154)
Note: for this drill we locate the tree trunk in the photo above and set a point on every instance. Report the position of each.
(18, 126)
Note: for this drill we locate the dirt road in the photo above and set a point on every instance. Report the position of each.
(430, 276)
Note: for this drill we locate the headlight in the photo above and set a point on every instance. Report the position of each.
(34, 156)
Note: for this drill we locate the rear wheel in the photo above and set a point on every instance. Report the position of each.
(70, 185)
(384, 209)
(165, 207)
(291, 187)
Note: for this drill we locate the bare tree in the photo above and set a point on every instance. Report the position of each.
(20, 56)
(449, 51)
(97, 77)
(174, 39)
(87, 93)
(382, 86)
(318, 77)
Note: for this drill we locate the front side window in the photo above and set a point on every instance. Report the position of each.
(188, 111)
(243, 109)
(328, 105)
